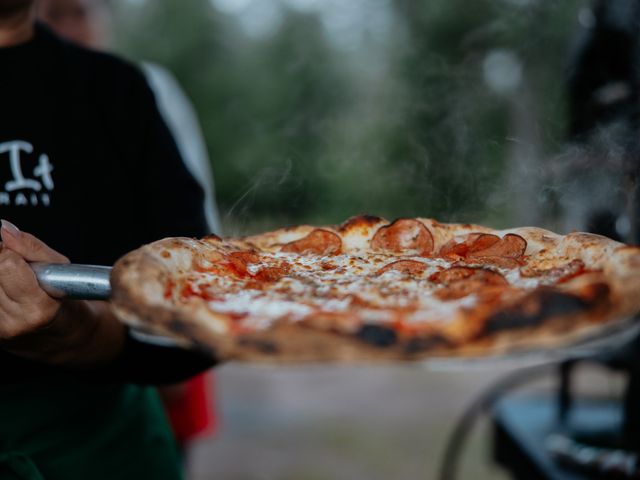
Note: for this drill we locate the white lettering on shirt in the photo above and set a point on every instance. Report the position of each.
(43, 170)
(21, 190)
(21, 199)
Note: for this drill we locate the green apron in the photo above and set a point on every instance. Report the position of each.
(64, 429)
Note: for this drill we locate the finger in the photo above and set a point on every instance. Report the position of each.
(13, 320)
(8, 307)
(17, 279)
(27, 246)
(24, 306)
(8, 324)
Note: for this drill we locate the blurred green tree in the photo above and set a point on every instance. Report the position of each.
(300, 130)
(456, 131)
(265, 105)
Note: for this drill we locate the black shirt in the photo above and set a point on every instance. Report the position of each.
(88, 166)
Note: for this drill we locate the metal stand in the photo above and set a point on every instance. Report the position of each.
(523, 426)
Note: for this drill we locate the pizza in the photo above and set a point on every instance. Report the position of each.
(374, 290)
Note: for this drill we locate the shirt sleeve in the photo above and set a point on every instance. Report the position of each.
(170, 203)
(181, 118)
(170, 200)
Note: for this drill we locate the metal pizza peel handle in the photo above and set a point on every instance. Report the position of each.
(87, 282)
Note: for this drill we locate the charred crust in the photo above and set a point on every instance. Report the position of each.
(261, 345)
(377, 335)
(127, 276)
(425, 344)
(554, 310)
(540, 306)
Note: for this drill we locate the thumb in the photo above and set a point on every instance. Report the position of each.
(27, 246)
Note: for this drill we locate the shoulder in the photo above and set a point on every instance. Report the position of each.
(111, 66)
(97, 71)
(107, 70)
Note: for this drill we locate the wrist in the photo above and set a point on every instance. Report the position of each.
(93, 337)
(81, 335)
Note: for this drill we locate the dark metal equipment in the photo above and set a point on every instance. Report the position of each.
(561, 436)
(564, 437)
(604, 107)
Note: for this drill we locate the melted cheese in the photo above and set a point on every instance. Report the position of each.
(346, 285)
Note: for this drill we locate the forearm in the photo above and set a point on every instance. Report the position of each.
(137, 362)
(83, 335)
(85, 338)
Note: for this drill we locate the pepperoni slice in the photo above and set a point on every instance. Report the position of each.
(570, 270)
(458, 290)
(240, 260)
(488, 249)
(451, 249)
(452, 274)
(410, 267)
(510, 246)
(272, 274)
(483, 242)
(461, 249)
(457, 274)
(318, 242)
(502, 262)
(403, 236)
(462, 281)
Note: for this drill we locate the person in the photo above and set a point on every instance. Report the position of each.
(89, 169)
(600, 172)
(87, 23)
(189, 405)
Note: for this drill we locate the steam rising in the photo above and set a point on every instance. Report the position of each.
(315, 110)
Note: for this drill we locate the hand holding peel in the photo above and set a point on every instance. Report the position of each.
(36, 326)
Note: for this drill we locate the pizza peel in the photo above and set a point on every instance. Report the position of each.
(603, 340)
(75, 281)
(92, 282)
(85, 282)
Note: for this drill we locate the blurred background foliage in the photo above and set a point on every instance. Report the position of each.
(315, 110)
